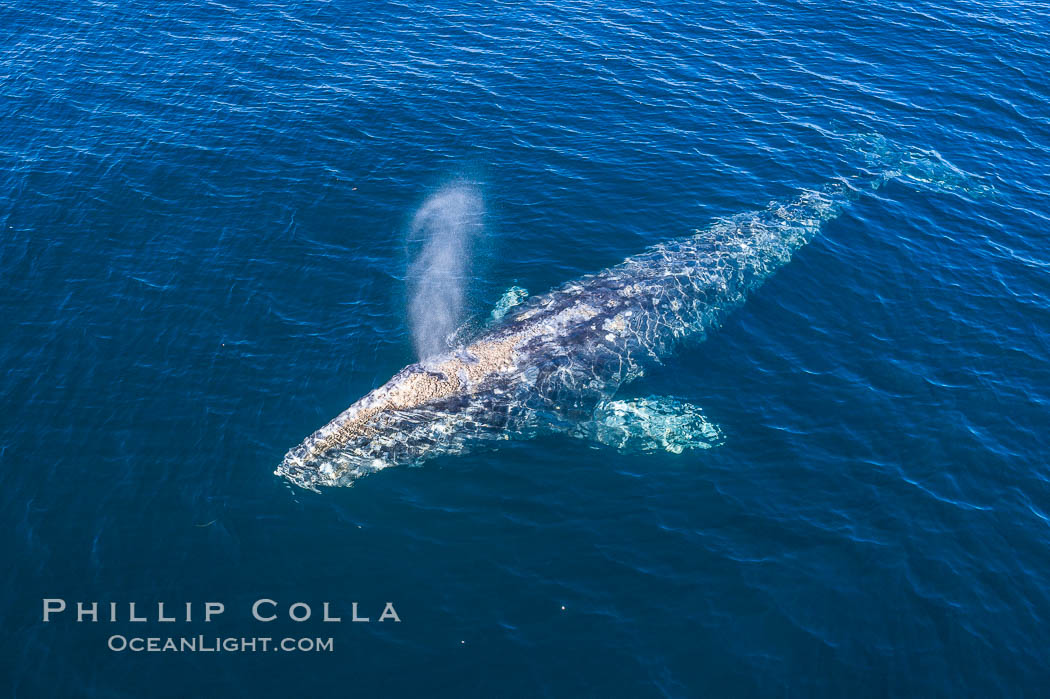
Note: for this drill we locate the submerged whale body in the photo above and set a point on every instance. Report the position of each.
(556, 361)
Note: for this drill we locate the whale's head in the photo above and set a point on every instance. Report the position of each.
(442, 406)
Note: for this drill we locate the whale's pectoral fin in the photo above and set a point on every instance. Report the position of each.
(511, 298)
(651, 424)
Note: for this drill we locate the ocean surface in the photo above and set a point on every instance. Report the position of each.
(205, 213)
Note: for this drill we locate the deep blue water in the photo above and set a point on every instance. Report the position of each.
(203, 260)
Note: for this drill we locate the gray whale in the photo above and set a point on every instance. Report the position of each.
(555, 362)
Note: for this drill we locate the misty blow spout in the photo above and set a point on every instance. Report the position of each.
(444, 230)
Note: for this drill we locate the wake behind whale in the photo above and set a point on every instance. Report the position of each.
(556, 362)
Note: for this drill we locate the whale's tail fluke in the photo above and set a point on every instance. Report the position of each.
(920, 167)
(790, 225)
